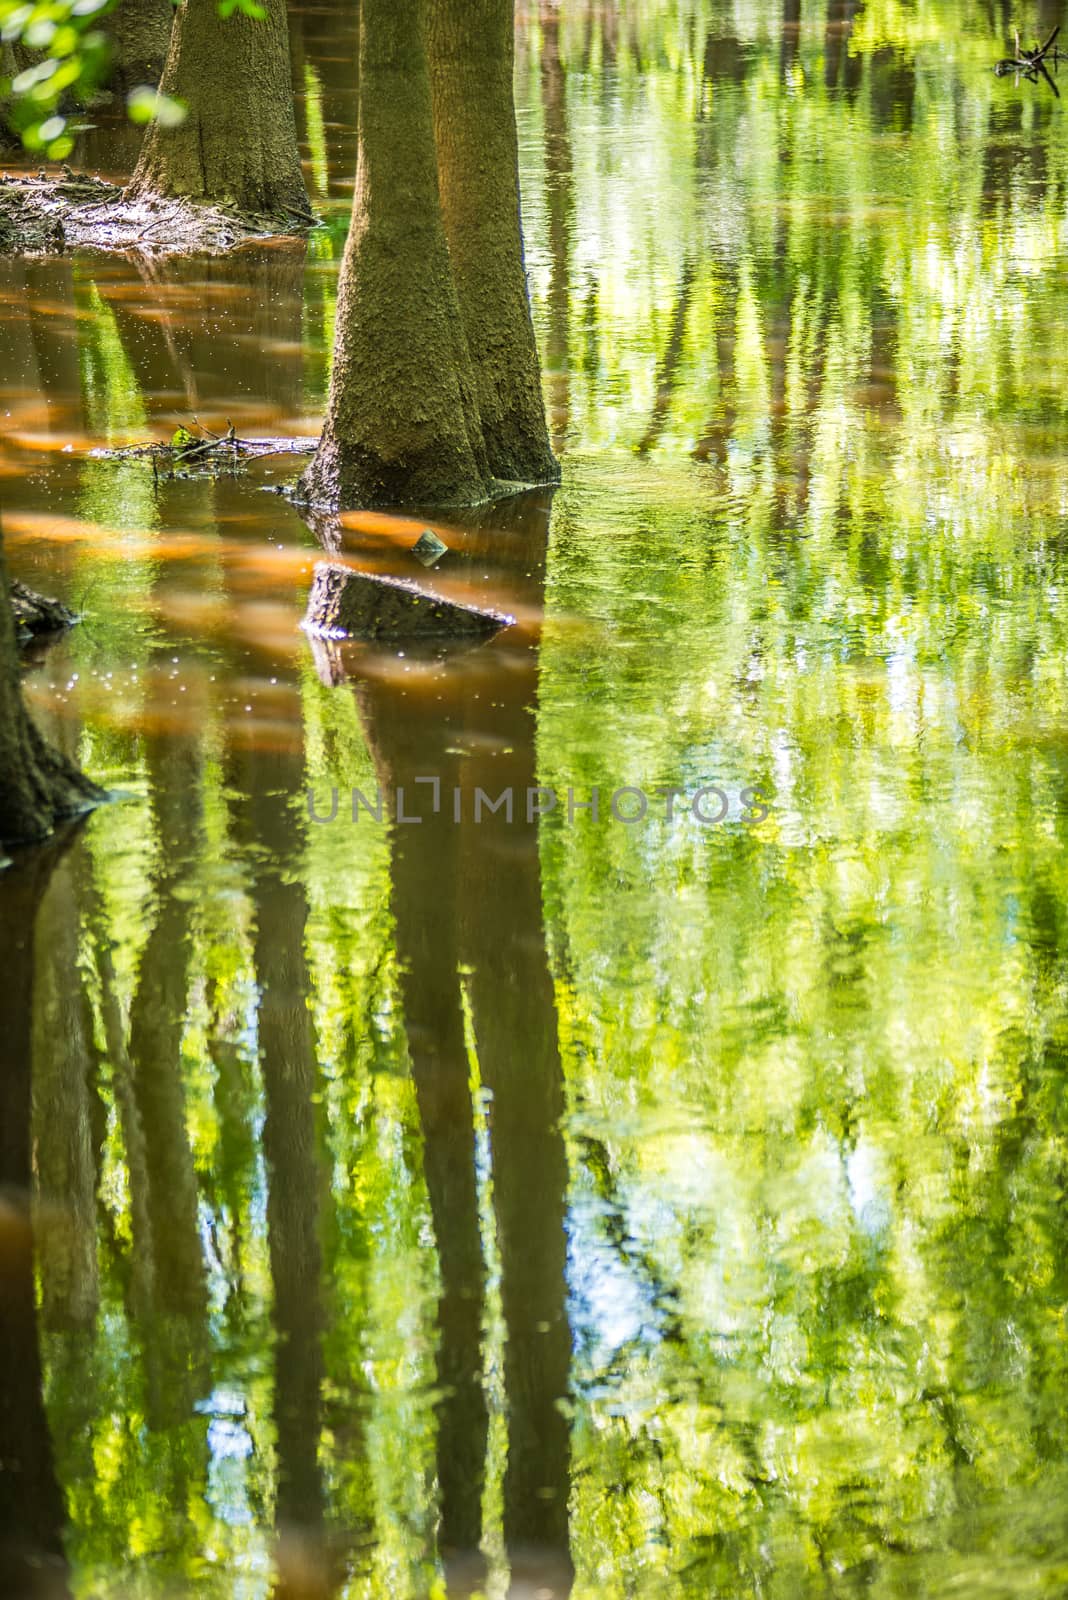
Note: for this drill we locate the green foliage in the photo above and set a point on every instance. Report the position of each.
(814, 1071)
(152, 105)
(76, 53)
(243, 8)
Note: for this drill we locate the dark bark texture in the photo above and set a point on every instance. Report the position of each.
(238, 143)
(402, 425)
(559, 172)
(38, 785)
(140, 32)
(32, 1510)
(471, 46)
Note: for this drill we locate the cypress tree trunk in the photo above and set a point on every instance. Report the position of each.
(32, 1507)
(141, 31)
(471, 46)
(560, 183)
(402, 425)
(238, 143)
(38, 785)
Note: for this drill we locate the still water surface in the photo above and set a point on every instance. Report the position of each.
(563, 1206)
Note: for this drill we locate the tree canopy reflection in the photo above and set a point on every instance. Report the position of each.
(656, 1209)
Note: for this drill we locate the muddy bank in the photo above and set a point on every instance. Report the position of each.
(24, 228)
(51, 212)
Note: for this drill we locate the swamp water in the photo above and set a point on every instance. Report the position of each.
(554, 1204)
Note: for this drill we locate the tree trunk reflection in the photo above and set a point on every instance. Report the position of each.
(483, 917)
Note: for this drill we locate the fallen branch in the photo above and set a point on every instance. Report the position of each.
(1030, 64)
(206, 451)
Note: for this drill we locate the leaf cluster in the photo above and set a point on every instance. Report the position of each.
(72, 53)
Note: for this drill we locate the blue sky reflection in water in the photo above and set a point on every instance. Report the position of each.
(678, 1204)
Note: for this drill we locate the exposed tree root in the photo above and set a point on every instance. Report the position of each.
(205, 454)
(50, 212)
(347, 603)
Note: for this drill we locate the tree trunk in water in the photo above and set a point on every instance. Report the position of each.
(38, 785)
(471, 47)
(560, 183)
(141, 31)
(402, 426)
(238, 143)
(32, 1509)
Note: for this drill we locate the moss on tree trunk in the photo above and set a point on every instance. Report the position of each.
(237, 145)
(38, 786)
(471, 47)
(402, 424)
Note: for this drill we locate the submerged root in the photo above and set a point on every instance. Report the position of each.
(36, 615)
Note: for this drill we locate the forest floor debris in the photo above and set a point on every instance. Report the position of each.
(206, 454)
(50, 212)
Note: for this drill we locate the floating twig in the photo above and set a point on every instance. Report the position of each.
(1031, 64)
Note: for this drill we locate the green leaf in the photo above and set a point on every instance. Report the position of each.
(68, 72)
(149, 105)
(39, 34)
(64, 41)
(26, 82)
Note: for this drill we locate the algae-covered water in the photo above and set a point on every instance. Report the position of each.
(544, 1203)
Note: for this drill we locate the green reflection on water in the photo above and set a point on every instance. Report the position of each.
(681, 1204)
